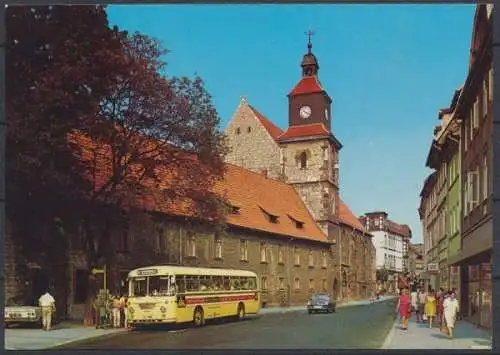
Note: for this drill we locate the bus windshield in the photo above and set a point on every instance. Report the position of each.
(151, 286)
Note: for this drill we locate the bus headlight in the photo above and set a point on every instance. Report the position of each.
(163, 309)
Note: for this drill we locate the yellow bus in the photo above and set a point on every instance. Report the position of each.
(177, 294)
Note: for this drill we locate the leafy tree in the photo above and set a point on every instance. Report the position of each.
(54, 55)
(94, 124)
(152, 133)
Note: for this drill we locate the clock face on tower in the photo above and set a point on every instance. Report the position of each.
(305, 112)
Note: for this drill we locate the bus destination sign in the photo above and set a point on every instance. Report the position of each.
(147, 272)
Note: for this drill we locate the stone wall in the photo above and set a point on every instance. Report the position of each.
(314, 183)
(251, 145)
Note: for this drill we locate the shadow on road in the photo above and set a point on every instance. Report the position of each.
(179, 327)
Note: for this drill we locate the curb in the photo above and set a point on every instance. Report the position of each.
(389, 336)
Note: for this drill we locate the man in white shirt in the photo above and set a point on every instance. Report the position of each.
(48, 304)
(414, 299)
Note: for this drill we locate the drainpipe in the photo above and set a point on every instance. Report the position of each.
(180, 243)
(289, 276)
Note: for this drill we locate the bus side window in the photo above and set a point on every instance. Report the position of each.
(235, 283)
(180, 283)
(192, 284)
(205, 283)
(252, 283)
(217, 283)
(227, 283)
(244, 283)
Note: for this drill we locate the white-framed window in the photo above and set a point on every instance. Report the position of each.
(475, 188)
(485, 177)
(311, 258)
(263, 283)
(244, 250)
(475, 117)
(218, 248)
(263, 252)
(191, 245)
(296, 256)
(280, 255)
(324, 260)
(297, 283)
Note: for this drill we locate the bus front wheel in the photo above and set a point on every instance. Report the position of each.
(241, 312)
(198, 317)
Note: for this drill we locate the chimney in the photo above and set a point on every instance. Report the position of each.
(264, 173)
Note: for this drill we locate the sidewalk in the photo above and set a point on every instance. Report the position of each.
(340, 304)
(419, 336)
(63, 333)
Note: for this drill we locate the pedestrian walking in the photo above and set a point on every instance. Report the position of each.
(414, 299)
(116, 310)
(100, 307)
(404, 308)
(439, 305)
(450, 311)
(430, 307)
(48, 304)
(123, 307)
(422, 297)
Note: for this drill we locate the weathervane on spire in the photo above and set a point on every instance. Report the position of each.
(309, 35)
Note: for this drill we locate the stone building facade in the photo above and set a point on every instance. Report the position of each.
(306, 156)
(284, 219)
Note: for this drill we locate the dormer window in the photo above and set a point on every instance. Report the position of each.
(298, 224)
(231, 209)
(271, 217)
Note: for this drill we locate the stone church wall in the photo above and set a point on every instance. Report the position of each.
(253, 147)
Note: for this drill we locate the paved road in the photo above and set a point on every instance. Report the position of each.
(351, 327)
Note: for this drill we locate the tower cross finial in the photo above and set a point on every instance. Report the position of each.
(309, 35)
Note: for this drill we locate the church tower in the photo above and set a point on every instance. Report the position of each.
(309, 152)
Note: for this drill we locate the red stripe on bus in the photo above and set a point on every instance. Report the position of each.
(216, 299)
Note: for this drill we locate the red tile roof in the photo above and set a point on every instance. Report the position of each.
(399, 229)
(347, 217)
(254, 195)
(273, 130)
(307, 130)
(307, 85)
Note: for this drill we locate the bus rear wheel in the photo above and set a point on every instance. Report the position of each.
(241, 312)
(198, 317)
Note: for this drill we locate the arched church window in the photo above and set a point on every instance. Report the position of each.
(303, 160)
(238, 130)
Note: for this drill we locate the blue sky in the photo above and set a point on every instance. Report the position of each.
(388, 68)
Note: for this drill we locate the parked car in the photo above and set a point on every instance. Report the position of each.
(17, 313)
(321, 302)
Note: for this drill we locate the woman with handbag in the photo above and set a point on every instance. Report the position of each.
(450, 311)
(430, 307)
(404, 308)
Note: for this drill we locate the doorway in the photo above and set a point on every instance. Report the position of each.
(336, 289)
(39, 284)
